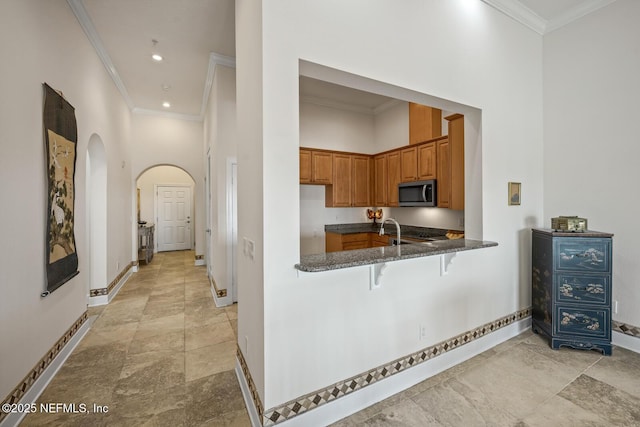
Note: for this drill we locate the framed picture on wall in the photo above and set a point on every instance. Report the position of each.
(514, 193)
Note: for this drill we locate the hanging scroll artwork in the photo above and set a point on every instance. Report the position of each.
(60, 137)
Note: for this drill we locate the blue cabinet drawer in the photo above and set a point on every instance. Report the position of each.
(581, 322)
(582, 254)
(583, 288)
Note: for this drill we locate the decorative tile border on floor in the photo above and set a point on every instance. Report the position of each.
(320, 397)
(631, 330)
(252, 386)
(34, 374)
(105, 291)
(221, 293)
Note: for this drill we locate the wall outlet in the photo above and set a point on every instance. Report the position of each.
(615, 307)
(246, 346)
(422, 332)
(118, 266)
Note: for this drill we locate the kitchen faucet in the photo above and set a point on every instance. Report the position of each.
(397, 228)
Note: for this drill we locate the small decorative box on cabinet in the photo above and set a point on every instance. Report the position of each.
(571, 288)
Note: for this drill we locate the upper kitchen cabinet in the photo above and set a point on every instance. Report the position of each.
(394, 177)
(419, 162)
(380, 180)
(409, 164)
(351, 181)
(361, 181)
(450, 160)
(339, 193)
(316, 167)
(427, 161)
(425, 123)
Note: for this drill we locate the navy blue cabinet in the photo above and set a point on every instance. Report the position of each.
(571, 288)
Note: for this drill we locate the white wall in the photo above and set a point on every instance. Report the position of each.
(221, 144)
(160, 175)
(591, 151)
(43, 42)
(160, 140)
(324, 327)
(391, 127)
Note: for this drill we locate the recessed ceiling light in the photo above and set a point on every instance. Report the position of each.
(165, 104)
(157, 57)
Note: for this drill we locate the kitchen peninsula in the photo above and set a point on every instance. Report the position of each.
(423, 242)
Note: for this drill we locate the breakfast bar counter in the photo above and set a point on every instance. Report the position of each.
(371, 256)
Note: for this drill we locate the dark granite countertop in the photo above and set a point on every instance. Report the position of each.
(410, 231)
(358, 257)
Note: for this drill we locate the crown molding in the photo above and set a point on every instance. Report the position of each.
(77, 7)
(215, 59)
(583, 9)
(519, 12)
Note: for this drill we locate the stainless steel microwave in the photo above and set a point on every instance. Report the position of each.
(418, 193)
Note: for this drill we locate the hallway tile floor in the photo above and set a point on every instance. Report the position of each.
(162, 354)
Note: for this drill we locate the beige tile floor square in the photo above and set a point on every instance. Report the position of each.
(162, 354)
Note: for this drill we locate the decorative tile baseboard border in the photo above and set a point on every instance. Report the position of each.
(220, 293)
(252, 386)
(105, 291)
(634, 331)
(34, 374)
(310, 401)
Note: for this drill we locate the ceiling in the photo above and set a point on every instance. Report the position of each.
(195, 36)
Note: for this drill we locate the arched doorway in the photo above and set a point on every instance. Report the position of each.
(96, 186)
(166, 199)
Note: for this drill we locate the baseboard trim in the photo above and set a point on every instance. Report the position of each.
(41, 375)
(254, 417)
(630, 342)
(220, 297)
(104, 296)
(346, 397)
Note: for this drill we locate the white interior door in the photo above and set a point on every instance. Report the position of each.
(174, 218)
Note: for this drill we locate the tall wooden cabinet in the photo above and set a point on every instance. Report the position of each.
(571, 288)
(450, 169)
(425, 123)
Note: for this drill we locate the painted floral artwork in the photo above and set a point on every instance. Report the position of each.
(61, 166)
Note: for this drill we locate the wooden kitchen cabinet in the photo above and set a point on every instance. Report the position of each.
(378, 241)
(305, 166)
(450, 165)
(335, 242)
(427, 161)
(394, 177)
(409, 164)
(316, 167)
(361, 181)
(339, 193)
(322, 167)
(380, 180)
(444, 173)
(425, 123)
